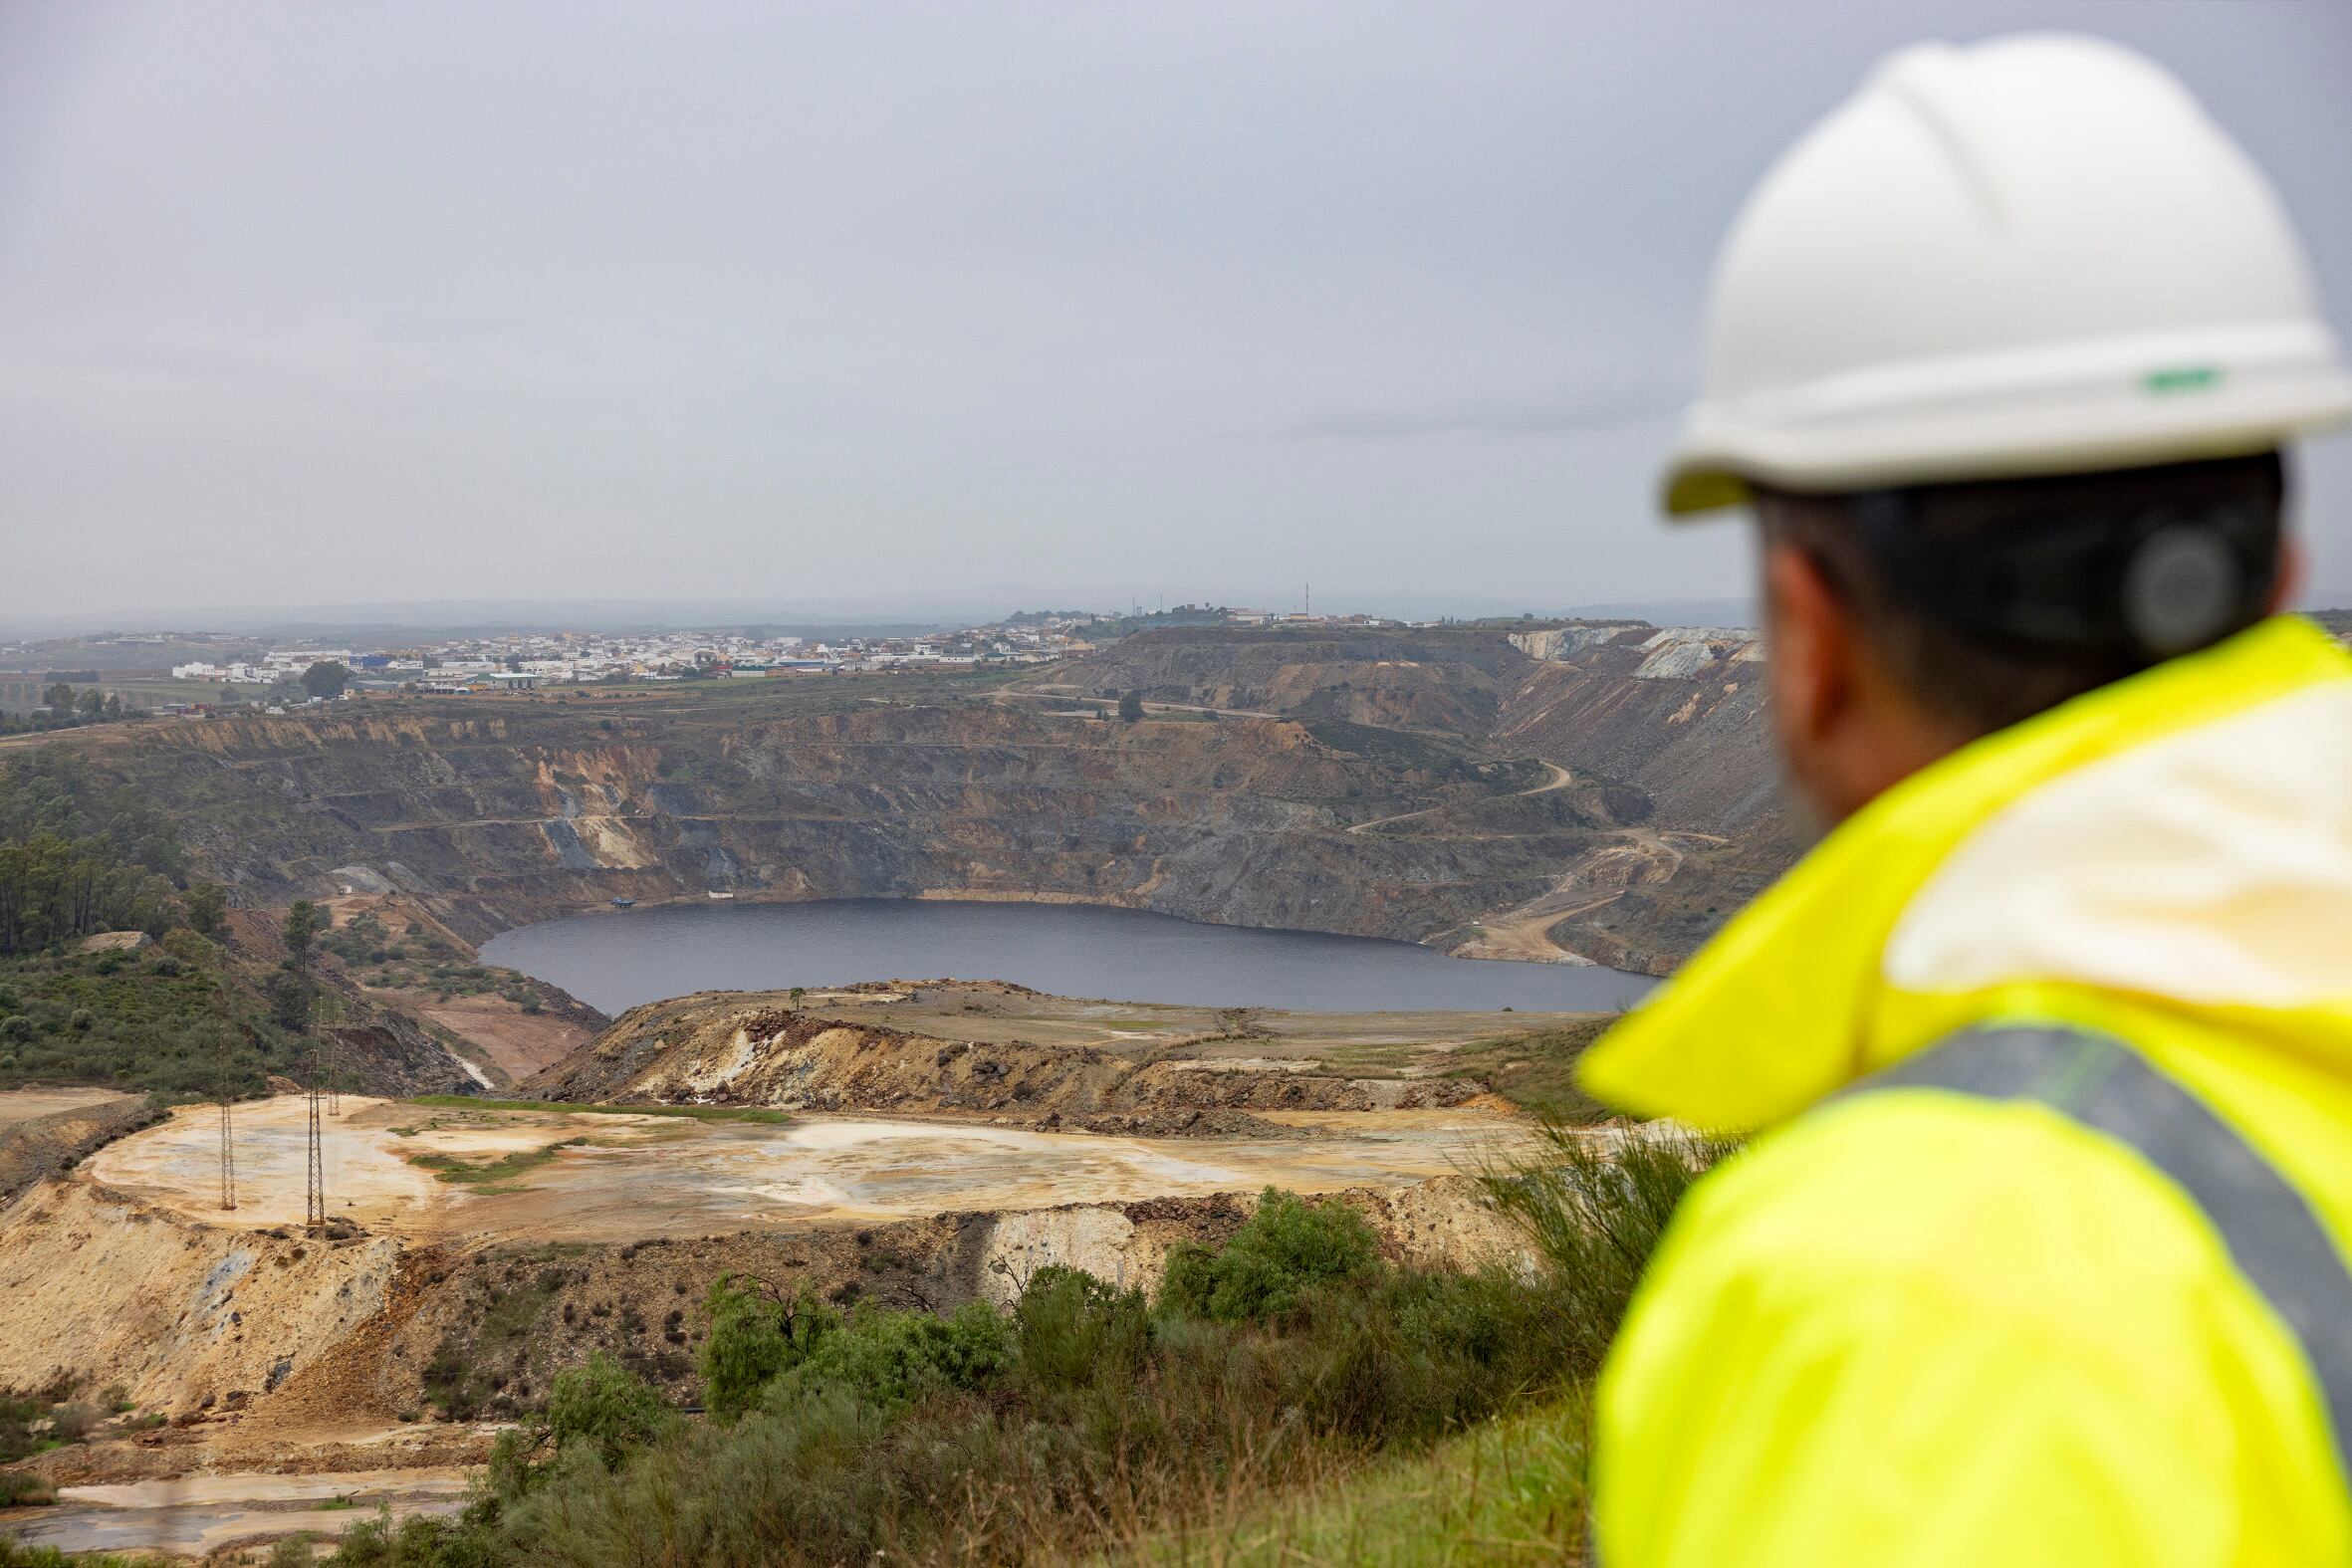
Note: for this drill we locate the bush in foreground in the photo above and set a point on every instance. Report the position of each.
(1083, 1421)
(1594, 1206)
(1287, 1249)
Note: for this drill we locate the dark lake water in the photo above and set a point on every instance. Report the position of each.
(620, 960)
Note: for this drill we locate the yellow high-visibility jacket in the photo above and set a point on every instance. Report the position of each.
(2041, 1253)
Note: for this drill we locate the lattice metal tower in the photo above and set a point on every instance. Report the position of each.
(228, 1145)
(328, 1021)
(315, 1175)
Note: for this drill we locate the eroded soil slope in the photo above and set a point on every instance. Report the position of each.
(754, 1049)
(44, 1132)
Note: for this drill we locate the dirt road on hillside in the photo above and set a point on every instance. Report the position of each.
(1635, 858)
(1560, 779)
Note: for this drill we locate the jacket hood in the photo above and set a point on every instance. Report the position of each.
(2180, 840)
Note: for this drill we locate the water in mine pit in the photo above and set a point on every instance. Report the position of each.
(615, 962)
(587, 1177)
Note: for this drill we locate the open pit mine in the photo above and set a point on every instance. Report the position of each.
(1591, 792)
(1586, 793)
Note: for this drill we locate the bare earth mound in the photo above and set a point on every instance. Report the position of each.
(744, 1049)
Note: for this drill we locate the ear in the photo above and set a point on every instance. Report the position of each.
(1810, 648)
(2289, 579)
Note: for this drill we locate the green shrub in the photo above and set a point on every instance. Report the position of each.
(889, 1359)
(1071, 1329)
(1286, 1247)
(597, 1413)
(606, 1407)
(757, 1334)
(191, 946)
(203, 905)
(74, 1422)
(812, 1484)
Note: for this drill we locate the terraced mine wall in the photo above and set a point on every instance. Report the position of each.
(1665, 725)
(495, 816)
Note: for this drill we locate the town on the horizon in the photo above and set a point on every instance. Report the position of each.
(55, 682)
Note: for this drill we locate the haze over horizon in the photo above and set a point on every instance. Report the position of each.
(386, 305)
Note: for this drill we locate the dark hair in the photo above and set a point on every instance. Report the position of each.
(1992, 600)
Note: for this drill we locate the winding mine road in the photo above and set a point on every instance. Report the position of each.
(1560, 779)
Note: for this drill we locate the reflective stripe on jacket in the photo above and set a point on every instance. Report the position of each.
(1921, 1322)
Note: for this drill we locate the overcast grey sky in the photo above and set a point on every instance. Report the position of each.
(964, 304)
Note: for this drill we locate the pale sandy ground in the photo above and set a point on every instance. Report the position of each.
(625, 1177)
(199, 1514)
(22, 1105)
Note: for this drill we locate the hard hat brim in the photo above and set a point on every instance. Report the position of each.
(2080, 408)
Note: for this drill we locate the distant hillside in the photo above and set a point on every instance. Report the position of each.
(1665, 724)
(1671, 711)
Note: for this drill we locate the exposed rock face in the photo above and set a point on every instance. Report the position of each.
(1671, 711)
(244, 1338)
(241, 1334)
(115, 942)
(391, 1055)
(1435, 680)
(744, 1049)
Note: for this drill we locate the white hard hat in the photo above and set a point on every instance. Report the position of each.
(2034, 255)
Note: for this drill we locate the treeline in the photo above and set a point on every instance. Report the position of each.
(62, 710)
(54, 889)
(81, 853)
(79, 856)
